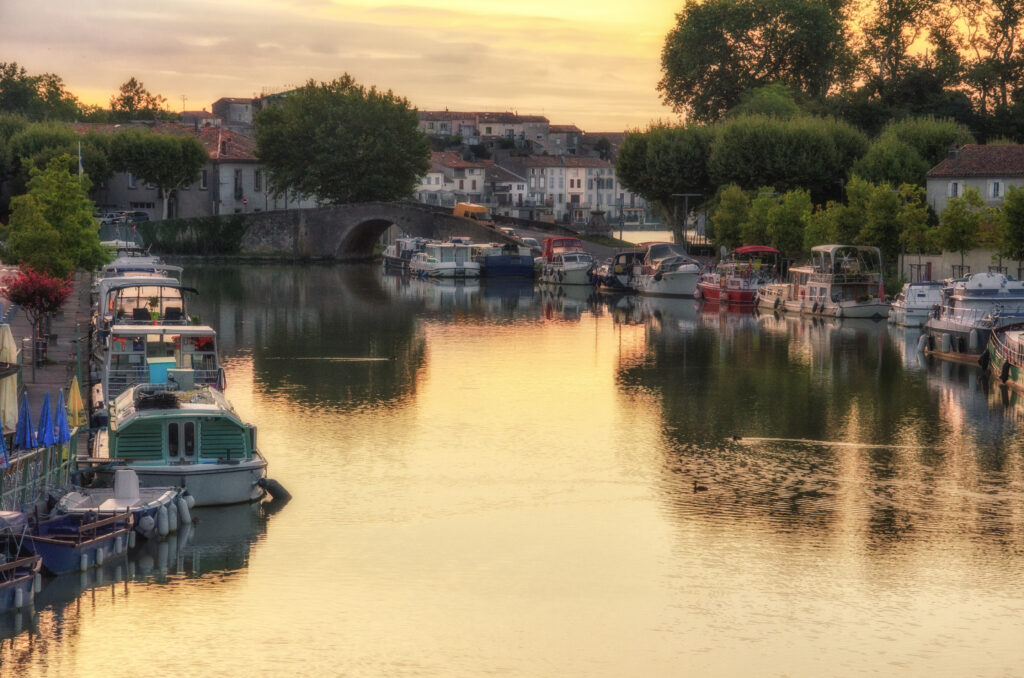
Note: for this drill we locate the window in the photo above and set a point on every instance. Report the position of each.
(190, 439)
(238, 184)
(487, 130)
(954, 189)
(995, 189)
(202, 180)
(257, 181)
(131, 180)
(172, 439)
(430, 125)
(462, 184)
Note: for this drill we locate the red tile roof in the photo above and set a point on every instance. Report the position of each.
(974, 160)
(565, 161)
(454, 160)
(236, 147)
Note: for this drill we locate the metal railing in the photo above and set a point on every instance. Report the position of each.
(31, 474)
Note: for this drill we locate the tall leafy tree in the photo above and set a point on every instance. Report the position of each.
(342, 142)
(890, 27)
(960, 222)
(36, 97)
(1012, 232)
(165, 160)
(52, 228)
(787, 220)
(917, 234)
(719, 49)
(134, 102)
(729, 215)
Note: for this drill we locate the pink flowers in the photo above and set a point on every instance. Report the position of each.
(37, 292)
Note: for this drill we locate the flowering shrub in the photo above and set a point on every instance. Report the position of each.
(37, 293)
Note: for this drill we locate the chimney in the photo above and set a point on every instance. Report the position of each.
(954, 153)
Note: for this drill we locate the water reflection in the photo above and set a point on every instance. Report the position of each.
(217, 545)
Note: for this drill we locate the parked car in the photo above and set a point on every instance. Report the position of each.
(137, 216)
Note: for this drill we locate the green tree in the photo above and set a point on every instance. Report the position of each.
(755, 228)
(57, 200)
(1012, 235)
(787, 220)
(931, 137)
(804, 152)
(821, 225)
(342, 142)
(719, 49)
(890, 27)
(960, 222)
(729, 215)
(775, 100)
(891, 161)
(881, 227)
(38, 143)
(134, 102)
(36, 97)
(164, 160)
(917, 235)
(603, 148)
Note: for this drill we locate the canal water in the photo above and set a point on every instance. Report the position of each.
(497, 480)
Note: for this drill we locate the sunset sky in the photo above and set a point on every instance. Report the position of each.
(594, 64)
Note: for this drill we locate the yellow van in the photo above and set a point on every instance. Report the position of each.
(479, 213)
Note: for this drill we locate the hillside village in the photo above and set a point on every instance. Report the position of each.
(517, 165)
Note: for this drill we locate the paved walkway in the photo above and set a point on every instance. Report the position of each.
(56, 371)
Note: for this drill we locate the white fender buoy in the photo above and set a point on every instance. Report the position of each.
(146, 526)
(946, 343)
(83, 562)
(37, 583)
(19, 597)
(183, 513)
(162, 524)
(99, 556)
(172, 516)
(922, 341)
(190, 499)
(972, 341)
(131, 539)
(117, 544)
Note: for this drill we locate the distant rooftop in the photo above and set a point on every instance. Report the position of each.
(975, 160)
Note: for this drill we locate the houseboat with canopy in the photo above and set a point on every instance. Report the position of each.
(841, 281)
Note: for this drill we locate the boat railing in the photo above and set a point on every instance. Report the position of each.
(870, 277)
(119, 381)
(1011, 354)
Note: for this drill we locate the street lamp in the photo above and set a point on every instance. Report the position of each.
(686, 212)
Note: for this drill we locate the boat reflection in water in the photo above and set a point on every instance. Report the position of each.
(906, 341)
(218, 543)
(568, 302)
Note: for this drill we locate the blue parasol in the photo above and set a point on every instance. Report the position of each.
(24, 436)
(45, 430)
(63, 434)
(3, 450)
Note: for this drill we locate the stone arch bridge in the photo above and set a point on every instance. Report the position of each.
(350, 232)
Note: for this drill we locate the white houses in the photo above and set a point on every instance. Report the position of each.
(989, 169)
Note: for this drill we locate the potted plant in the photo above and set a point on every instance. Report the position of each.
(154, 302)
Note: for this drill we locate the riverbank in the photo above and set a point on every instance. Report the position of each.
(62, 351)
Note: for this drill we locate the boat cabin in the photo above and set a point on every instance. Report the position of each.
(157, 354)
(145, 299)
(553, 246)
(158, 425)
(663, 256)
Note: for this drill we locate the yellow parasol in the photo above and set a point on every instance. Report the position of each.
(8, 385)
(76, 413)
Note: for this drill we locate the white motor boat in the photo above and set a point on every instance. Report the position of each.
(973, 307)
(568, 268)
(914, 304)
(156, 510)
(667, 270)
(444, 260)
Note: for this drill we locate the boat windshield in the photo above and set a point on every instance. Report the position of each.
(665, 250)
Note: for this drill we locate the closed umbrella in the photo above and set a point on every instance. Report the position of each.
(76, 411)
(8, 385)
(63, 434)
(3, 452)
(24, 436)
(45, 432)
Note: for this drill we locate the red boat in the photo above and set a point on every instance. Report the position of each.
(739, 275)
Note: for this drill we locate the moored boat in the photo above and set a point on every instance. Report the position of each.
(444, 260)
(399, 253)
(740, 275)
(155, 511)
(1005, 355)
(914, 304)
(667, 271)
(842, 281)
(503, 260)
(617, 275)
(19, 565)
(75, 542)
(973, 307)
(182, 435)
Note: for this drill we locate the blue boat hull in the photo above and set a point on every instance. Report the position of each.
(65, 550)
(507, 266)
